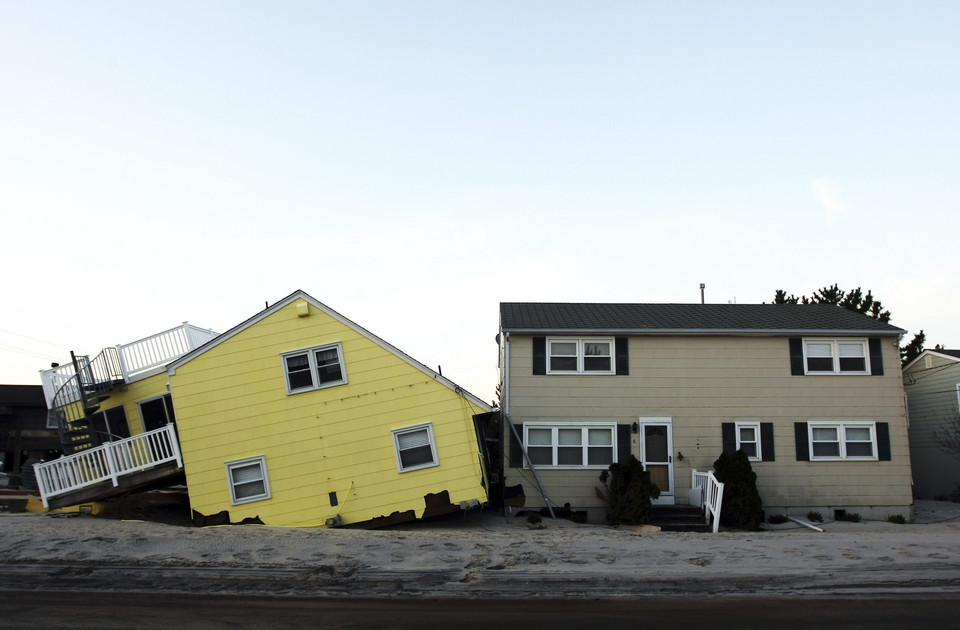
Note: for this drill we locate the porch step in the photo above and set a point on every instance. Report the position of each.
(678, 518)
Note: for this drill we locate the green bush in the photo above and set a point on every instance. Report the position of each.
(814, 517)
(627, 490)
(741, 507)
(897, 518)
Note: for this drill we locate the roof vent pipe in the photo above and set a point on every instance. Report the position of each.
(702, 287)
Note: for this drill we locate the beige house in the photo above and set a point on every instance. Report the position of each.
(932, 384)
(812, 393)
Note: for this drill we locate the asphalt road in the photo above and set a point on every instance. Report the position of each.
(77, 610)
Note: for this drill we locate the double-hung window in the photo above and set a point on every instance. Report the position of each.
(571, 445)
(247, 479)
(314, 368)
(580, 356)
(415, 447)
(843, 440)
(836, 356)
(748, 440)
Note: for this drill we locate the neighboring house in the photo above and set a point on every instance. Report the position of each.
(299, 417)
(812, 393)
(24, 429)
(932, 385)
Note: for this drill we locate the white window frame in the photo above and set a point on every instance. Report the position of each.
(260, 460)
(581, 343)
(584, 427)
(841, 428)
(413, 429)
(311, 354)
(756, 433)
(835, 356)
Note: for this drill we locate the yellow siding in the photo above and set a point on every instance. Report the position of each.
(701, 382)
(231, 403)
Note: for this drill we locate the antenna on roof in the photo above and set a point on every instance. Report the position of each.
(702, 287)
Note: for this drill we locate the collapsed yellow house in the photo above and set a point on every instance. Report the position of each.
(300, 417)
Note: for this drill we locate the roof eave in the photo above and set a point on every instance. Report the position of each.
(703, 331)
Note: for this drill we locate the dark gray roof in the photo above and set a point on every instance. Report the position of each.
(951, 353)
(534, 317)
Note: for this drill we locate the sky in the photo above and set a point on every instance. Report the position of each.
(413, 164)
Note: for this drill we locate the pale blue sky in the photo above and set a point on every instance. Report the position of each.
(412, 164)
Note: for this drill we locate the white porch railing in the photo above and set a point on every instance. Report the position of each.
(109, 461)
(136, 359)
(710, 492)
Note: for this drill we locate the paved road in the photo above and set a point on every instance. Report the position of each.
(52, 609)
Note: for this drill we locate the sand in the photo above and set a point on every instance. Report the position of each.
(482, 554)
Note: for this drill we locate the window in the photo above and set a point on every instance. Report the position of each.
(156, 413)
(748, 440)
(314, 368)
(415, 447)
(570, 445)
(580, 356)
(247, 479)
(843, 440)
(835, 356)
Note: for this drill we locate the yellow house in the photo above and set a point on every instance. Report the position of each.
(300, 417)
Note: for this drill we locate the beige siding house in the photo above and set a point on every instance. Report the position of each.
(932, 384)
(812, 393)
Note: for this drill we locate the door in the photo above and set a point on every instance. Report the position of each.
(656, 449)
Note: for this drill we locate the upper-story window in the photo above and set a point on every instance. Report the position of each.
(835, 356)
(314, 368)
(580, 356)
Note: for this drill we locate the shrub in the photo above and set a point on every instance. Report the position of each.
(897, 518)
(843, 515)
(741, 505)
(627, 490)
(777, 519)
(814, 517)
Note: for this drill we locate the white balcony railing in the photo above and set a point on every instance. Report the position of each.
(137, 359)
(108, 462)
(709, 492)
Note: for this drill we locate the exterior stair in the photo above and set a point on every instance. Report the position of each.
(678, 518)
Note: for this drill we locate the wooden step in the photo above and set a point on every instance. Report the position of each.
(678, 518)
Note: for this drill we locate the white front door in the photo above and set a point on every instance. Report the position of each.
(656, 450)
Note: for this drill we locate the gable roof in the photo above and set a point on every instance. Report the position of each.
(532, 317)
(298, 295)
(950, 355)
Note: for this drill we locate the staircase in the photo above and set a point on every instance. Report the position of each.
(79, 398)
(679, 518)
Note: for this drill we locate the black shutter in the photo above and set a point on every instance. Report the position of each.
(883, 442)
(766, 441)
(623, 442)
(539, 355)
(876, 357)
(516, 451)
(729, 432)
(796, 356)
(623, 356)
(802, 439)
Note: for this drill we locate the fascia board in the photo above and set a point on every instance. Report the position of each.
(727, 332)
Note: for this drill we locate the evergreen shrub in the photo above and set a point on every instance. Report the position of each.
(627, 490)
(741, 507)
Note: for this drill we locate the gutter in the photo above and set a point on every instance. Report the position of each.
(730, 332)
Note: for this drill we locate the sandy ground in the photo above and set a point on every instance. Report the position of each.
(481, 554)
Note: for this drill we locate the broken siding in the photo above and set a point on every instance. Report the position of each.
(701, 382)
(232, 403)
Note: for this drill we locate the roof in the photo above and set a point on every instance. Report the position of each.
(950, 355)
(22, 395)
(532, 317)
(302, 295)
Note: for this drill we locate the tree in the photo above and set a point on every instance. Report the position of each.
(947, 436)
(913, 349)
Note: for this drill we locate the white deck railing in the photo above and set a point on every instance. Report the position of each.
(136, 359)
(108, 462)
(711, 496)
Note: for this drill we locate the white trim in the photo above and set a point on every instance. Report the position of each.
(432, 442)
(755, 425)
(585, 428)
(249, 461)
(151, 399)
(841, 427)
(312, 368)
(580, 354)
(667, 496)
(834, 349)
